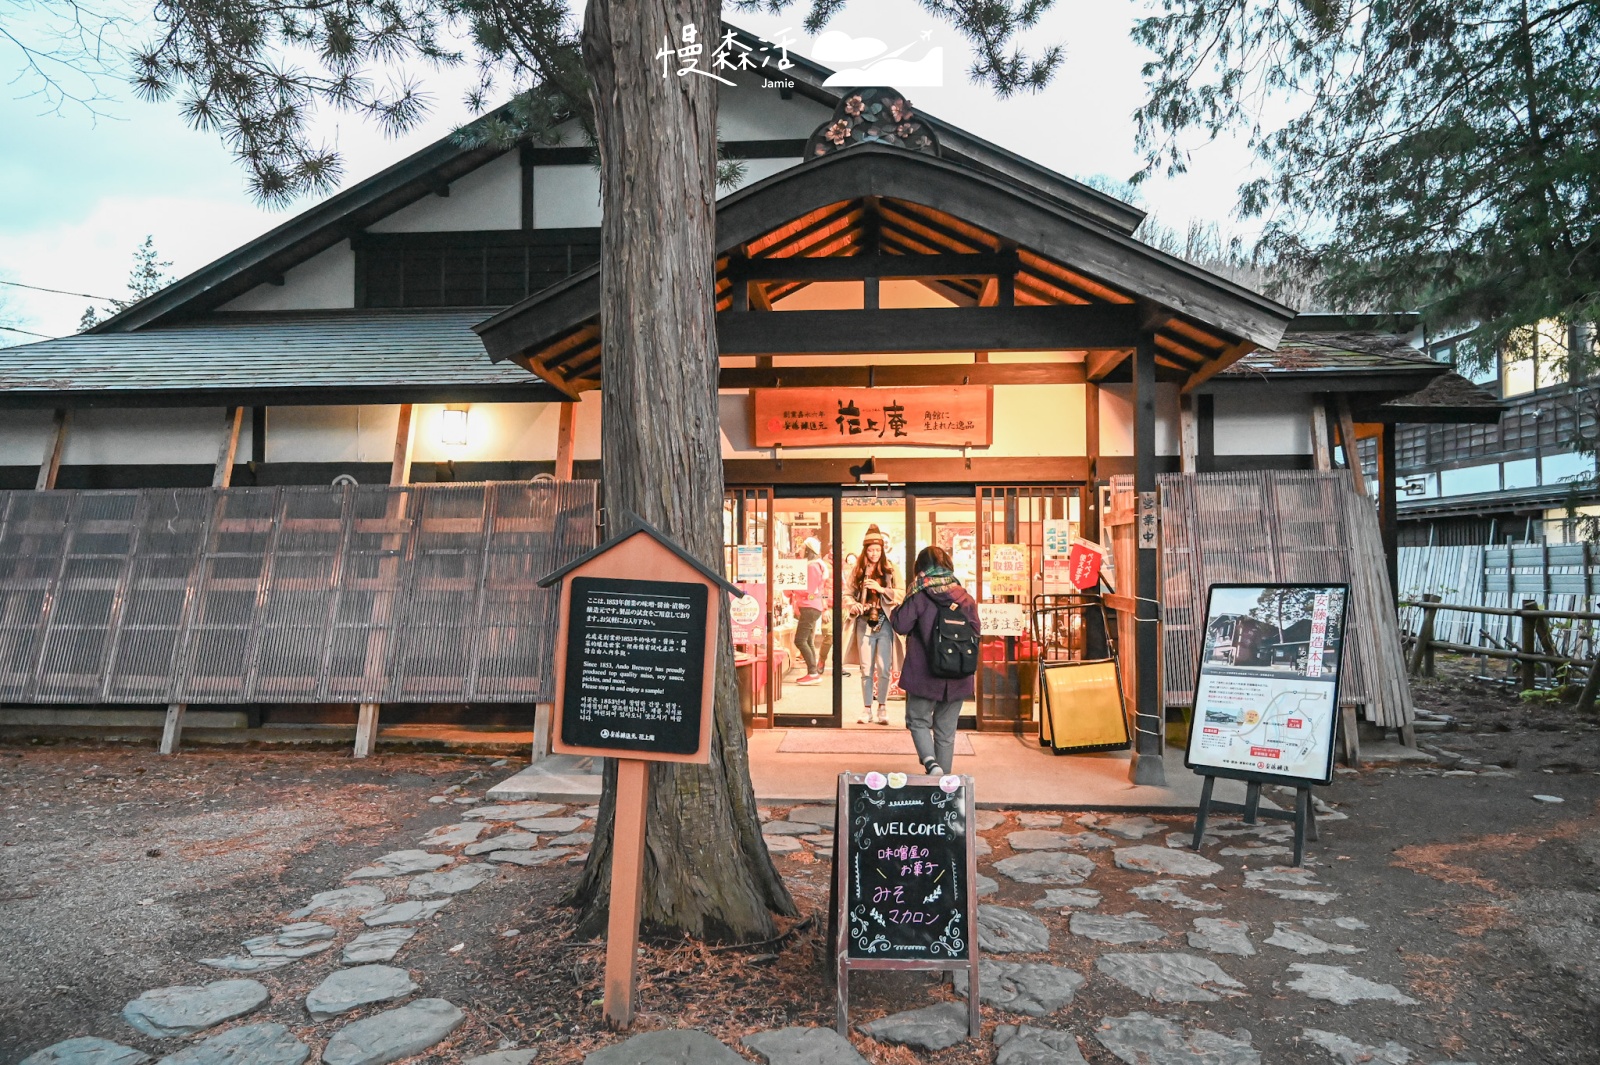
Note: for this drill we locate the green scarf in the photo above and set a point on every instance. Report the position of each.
(933, 579)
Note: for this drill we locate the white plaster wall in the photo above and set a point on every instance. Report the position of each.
(1029, 421)
(489, 197)
(326, 281)
(331, 434)
(496, 432)
(1116, 419)
(566, 197)
(133, 436)
(751, 112)
(1259, 422)
(23, 434)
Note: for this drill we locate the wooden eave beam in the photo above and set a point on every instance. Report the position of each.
(902, 376)
(1230, 355)
(856, 267)
(932, 230)
(1098, 364)
(928, 329)
(957, 229)
(786, 242)
(538, 369)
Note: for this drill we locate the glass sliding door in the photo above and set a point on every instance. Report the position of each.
(946, 516)
(805, 608)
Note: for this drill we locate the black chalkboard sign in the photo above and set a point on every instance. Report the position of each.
(635, 665)
(904, 882)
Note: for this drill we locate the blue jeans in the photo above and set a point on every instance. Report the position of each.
(877, 650)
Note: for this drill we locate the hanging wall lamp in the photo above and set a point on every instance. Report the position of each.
(453, 426)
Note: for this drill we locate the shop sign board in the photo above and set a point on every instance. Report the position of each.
(1267, 694)
(1002, 619)
(905, 880)
(1008, 570)
(955, 416)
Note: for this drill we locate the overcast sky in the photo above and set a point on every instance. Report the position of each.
(80, 192)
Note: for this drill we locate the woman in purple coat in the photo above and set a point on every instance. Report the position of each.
(932, 703)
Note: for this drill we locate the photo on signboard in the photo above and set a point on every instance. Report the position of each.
(1267, 692)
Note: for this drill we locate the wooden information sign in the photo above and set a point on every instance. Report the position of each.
(955, 416)
(636, 664)
(905, 880)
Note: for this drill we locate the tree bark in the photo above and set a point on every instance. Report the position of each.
(707, 870)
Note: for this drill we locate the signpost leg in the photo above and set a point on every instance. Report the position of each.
(1204, 811)
(627, 888)
(1302, 803)
(1252, 801)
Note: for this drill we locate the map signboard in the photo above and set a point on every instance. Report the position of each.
(1267, 698)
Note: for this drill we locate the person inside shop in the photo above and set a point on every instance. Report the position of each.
(872, 593)
(940, 622)
(809, 605)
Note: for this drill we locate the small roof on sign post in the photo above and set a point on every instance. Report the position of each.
(637, 526)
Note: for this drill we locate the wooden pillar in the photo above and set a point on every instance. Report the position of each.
(258, 435)
(1148, 767)
(172, 731)
(566, 438)
(1091, 449)
(1188, 434)
(1389, 508)
(627, 890)
(222, 475)
(1347, 441)
(50, 464)
(405, 438)
(1321, 447)
(366, 730)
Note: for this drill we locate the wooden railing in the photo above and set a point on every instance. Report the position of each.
(1535, 646)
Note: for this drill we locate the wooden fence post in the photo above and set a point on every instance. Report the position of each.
(1422, 653)
(1527, 669)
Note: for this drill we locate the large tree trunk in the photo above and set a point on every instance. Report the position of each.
(707, 871)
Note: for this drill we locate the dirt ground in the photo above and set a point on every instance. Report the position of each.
(119, 869)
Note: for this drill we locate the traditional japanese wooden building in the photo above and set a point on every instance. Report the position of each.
(381, 419)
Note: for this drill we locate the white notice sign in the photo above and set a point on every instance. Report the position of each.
(1003, 619)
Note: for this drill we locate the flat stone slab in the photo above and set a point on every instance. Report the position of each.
(589, 813)
(1022, 987)
(1171, 893)
(1261, 853)
(929, 1028)
(381, 944)
(551, 824)
(86, 1050)
(1119, 928)
(341, 900)
(788, 828)
(803, 1046)
(583, 839)
(233, 963)
(671, 1046)
(524, 1056)
(293, 941)
(1038, 820)
(1287, 936)
(1335, 983)
(1185, 840)
(1022, 1045)
(401, 863)
(393, 1034)
(1218, 935)
(980, 846)
(1140, 1039)
(1164, 861)
(1347, 1051)
(988, 819)
(1169, 977)
(813, 815)
(250, 1044)
(1003, 930)
(348, 989)
(531, 858)
(1319, 898)
(452, 881)
(1069, 899)
(1046, 867)
(1037, 839)
(186, 1009)
(515, 840)
(987, 885)
(782, 844)
(1137, 826)
(402, 912)
(1258, 878)
(511, 811)
(453, 835)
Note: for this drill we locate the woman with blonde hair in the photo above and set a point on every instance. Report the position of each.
(873, 590)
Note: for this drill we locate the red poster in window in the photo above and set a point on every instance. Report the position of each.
(1083, 567)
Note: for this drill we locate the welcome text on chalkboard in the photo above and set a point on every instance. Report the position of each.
(904, 876)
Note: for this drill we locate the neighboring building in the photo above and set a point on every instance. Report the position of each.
(345, 344)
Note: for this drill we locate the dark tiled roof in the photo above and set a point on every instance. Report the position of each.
(1350, 352)
(306, 355)
(1449, 390)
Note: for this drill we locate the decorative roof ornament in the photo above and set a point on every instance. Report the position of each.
(873, 116)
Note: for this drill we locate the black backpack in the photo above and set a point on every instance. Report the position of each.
(953, 646)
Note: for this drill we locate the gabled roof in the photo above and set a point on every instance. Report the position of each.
(337, 218)
(1447, 398)
(920, 205)
(301, 358)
